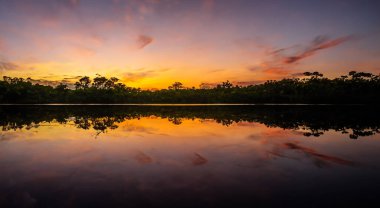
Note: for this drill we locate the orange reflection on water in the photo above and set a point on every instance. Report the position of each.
(153, 156)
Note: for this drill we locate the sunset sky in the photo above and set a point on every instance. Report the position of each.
(152, 43)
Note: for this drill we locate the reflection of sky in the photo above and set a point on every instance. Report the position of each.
(153, 159)
(151, 43)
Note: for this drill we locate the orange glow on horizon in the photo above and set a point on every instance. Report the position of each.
(151, 44)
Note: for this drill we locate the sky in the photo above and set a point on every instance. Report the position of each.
(153, 43)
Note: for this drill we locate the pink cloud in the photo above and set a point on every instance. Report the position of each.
(282, 61)
(141, 74)
(277, 71)
(6, 65)
(143, 41)
(319, 43)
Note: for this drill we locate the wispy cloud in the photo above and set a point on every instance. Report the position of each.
(247, 83)
(281, 62)
(48, 82)
(208, 85)
(54, 80)
(72, 78)
(7, 65)
(277, 71)
(143, 40)
(140, 74)
(273, 70)
(319, 43)
(217, 70)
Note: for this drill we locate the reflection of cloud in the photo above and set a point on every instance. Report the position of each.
(143, 41)
(143, 158)
(320, 160)
(198, 160)
(318, 156)
(140, 129)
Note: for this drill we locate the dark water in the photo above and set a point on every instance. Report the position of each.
(189, 156)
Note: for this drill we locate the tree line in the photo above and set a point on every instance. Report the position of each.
(353, 88)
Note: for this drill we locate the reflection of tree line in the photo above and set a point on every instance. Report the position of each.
(356, 121)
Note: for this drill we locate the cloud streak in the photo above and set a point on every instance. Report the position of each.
(282, 61)
(319, 43)
(142, 74)
(209, 85)
(47, 80)
(143, 41)
(7, 66)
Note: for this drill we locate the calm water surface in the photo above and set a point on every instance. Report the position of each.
(189, 156)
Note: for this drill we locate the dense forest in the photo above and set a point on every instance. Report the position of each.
(354, 88)
(313, 121)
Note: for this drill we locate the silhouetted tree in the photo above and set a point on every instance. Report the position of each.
(61, 87)
(176, 86)
(225, 85)
(356, 87)
(83, 83)
(99, 82)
